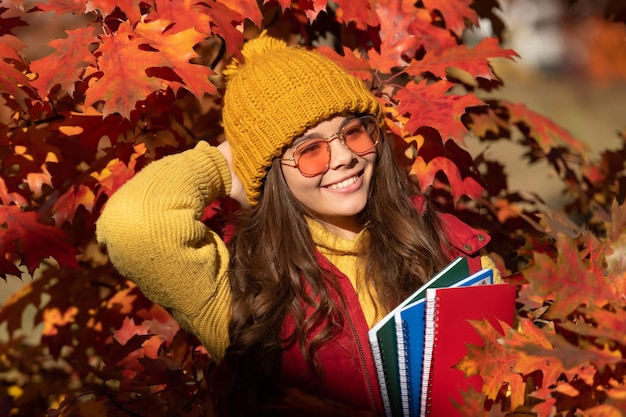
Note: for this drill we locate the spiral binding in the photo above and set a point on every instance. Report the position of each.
(407, 360)
(429, 339)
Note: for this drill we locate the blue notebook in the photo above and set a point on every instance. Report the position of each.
(410, 330)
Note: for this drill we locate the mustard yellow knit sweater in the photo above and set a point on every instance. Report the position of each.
(153, 232)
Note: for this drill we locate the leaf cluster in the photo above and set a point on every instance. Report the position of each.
(109, 86)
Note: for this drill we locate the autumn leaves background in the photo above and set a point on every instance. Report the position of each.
(119, 84)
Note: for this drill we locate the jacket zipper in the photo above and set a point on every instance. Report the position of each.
(368, 382)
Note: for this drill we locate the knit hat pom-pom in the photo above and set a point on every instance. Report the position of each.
(253, 50)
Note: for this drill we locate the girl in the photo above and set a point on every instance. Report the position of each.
(331, 235)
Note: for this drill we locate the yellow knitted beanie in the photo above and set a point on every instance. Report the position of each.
(275, 95)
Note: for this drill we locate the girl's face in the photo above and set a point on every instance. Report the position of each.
(339, 194)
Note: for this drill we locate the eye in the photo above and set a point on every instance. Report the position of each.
(353, 130)
(311, 148)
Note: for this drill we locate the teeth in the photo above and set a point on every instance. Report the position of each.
(344, 183)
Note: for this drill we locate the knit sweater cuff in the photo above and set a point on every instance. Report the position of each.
(215, 183)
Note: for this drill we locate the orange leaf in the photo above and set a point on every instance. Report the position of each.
(312, 8)
(357, 11)
(396, 39)
(106, 7)
(7, 197)
(128, 330)
(53, 318)
(73, 52)
(122, 300)
(426, 172)
(576, 358)
(496, 361)
(12, 81)
(548, 134)
(454, 13)
(607, 326)
(473, 60)
(431, 37)
(563, 281)
(224, 22)
(63, 7)
(488, 123)
(184, 14)
(247, 9)
(124, 81)
(531, 335)
(176, 51)
(116, 173)
(357, 66)
(66, 206)
(431, 105)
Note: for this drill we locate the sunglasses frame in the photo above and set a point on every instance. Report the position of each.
(338, 135)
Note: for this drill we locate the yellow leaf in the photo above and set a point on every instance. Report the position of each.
(15, 391)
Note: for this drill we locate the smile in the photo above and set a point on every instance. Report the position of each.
(345, 183)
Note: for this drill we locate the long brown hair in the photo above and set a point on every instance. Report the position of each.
(274, 273)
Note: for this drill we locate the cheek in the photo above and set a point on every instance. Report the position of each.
(296, 182)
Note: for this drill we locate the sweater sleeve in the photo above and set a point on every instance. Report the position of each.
(154, 235)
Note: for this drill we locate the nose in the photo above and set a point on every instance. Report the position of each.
(340, 154)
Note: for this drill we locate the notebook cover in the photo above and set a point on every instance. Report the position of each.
(447, 333)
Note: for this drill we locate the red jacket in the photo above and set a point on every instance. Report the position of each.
(349, 374)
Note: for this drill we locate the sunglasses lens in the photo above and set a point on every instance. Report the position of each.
(361, 135)
(313, 156)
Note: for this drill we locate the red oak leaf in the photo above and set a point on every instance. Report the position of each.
(608, 326)
(472, 60)
(248, 9)
(357, 66)
(63, 7)
(312, 8)
(128, 330)
(577, 358)
(563, 281)
(66, 206)
(454, 13)
(495, 360)
(8, 22)
(12, 80)
(357, 11)
(531, 335)
(546, 132)
(426, 172)
(177, 51)
(9, 197)
(74, 52)
(431, 37)
(224, 22)
(22, 235)
(183, 15)
(488, 124)
(431, 105)
(116, 173)
(91, 128)
(397, 42)
(106, 7)
(123, 66)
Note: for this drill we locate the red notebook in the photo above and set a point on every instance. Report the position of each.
(447, 334)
